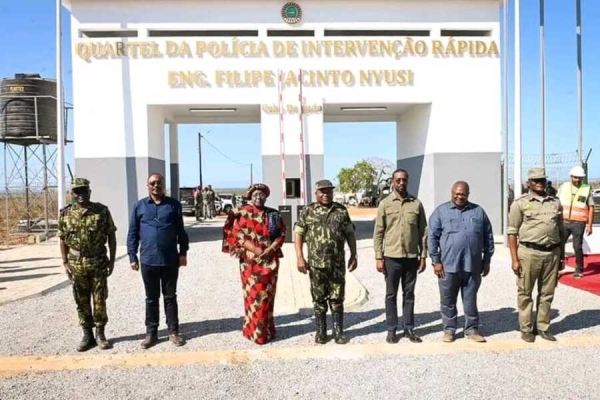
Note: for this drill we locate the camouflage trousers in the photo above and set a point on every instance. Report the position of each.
(90, 284)
(327, 287)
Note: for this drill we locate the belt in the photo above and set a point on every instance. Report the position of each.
(539, 247)
(78, 253)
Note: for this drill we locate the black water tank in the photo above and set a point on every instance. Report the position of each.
(17, 107)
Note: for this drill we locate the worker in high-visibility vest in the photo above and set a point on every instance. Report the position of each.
(578, 213)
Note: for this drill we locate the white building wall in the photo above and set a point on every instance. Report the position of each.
(113, 96)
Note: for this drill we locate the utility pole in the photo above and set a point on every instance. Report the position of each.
(579, 85)
(200, 158)
(251, 175)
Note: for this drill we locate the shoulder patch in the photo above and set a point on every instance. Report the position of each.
(65, 210)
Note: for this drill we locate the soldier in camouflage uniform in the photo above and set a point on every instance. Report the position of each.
(198, 203)
(325, 226)
(84, 228)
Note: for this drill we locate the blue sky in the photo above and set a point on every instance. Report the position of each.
(28, 45)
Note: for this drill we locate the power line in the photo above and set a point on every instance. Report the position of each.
(223, 154)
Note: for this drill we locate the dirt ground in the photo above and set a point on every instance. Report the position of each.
(362, 211)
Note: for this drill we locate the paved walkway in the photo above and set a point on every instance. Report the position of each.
(33, 270)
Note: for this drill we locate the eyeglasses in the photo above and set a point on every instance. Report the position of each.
(540, 180)
(155, 183)
(80, 191)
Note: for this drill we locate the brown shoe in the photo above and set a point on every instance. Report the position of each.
(176, 339)
(448, 337)
(149, 341)
(476, 337)
(528, 337)
(547, 335)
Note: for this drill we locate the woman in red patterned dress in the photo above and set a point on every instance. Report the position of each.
(255, 234)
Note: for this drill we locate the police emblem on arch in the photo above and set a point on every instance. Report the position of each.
(291, 13)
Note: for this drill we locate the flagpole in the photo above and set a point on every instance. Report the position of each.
(517, 103)
(60, 126)
(543, 85)
(505, 99)
(579, 86)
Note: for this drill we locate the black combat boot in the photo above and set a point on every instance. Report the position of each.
(338, 328)
(101, 341)
(87, 342)
(321, 322)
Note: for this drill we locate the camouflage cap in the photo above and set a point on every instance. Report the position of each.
(536, 173)
(79, 182)
(324, 184)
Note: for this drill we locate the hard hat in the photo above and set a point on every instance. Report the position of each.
(577, 171)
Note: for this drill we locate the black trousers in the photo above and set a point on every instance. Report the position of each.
(156, 278)
(577, 229)
(400, 270)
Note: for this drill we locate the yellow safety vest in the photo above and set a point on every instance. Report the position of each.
(575, 207)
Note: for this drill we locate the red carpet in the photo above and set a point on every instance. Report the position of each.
(591, 274)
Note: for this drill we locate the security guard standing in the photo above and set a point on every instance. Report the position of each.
(325, 227)
(578, 213)
(536, 220)
(84, 228)
(198, 203)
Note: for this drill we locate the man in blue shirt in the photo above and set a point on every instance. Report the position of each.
(461, 245)
(156, 226)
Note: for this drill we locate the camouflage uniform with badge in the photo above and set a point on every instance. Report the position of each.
(536, 220)
(84, 228)
(325, 227)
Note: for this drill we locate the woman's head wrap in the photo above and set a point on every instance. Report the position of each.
(258, 186)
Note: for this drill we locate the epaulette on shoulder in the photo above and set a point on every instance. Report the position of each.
(65, 210)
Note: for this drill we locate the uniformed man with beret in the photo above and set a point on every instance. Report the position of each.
(325, 227)
(535, 227)
(84, 228)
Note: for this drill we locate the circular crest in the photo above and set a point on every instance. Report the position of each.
(291, 13)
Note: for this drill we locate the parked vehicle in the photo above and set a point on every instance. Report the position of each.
(228, 202)
(186, 197)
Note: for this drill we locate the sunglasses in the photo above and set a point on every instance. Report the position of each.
(80, 191)
(155, 183)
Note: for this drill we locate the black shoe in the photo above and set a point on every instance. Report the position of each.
(101, 341)
(176, 339)
(577, 275)
(87, 342)
(528, 337)
(392, 337)
(321, 323)
(547, 336)
(149, 341)
(410, 334)
(338, 328)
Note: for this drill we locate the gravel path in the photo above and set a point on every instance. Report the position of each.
(523, 375)
(210, 304)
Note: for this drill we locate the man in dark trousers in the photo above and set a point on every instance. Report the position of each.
(461, 245)
(156, 226)
(400, 241)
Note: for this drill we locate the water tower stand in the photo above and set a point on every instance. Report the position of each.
(30, 185)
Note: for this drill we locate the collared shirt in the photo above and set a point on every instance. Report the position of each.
(535, 219)
(86, 228)
(400, 228)
(157, 229)
(325, 230)
(461, 239)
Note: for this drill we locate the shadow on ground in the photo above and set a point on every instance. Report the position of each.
(21, 269)
(26, 260)
(25, 277)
